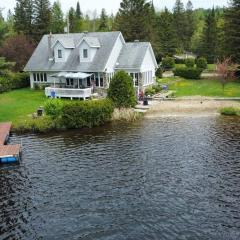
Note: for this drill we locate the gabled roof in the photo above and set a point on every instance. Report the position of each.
(132, 55)
(92, 42)
(40, 58)
(66, 42)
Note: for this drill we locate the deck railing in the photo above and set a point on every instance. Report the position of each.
(68, 92)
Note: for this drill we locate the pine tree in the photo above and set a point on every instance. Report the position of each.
(209, 38)
(78, 11)
(180, 25)
(190, 27)
(23, 17)
(166, 33)
(57, 21)
(42, 18)
(75, 19)
(103, 25)
(133, 19)
(232, 30)
(72, 20)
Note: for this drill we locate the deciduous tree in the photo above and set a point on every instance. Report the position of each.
(17, 49)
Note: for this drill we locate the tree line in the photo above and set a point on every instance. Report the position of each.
(211, 33)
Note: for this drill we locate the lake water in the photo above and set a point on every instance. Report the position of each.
(165, 178)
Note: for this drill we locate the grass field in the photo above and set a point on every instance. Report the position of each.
(206, 87)
(18, 104)
(211, 67)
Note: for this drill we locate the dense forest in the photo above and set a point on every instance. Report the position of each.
(211, 33)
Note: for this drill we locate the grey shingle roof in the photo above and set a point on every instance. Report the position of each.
(67, 42)
(92, 42)
(39, 60)
(132, 55)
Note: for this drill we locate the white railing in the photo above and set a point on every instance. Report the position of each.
(68, 92)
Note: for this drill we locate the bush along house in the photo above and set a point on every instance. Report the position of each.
(80, 64)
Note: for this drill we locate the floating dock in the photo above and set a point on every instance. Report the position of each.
(4, 132)
(8, 153)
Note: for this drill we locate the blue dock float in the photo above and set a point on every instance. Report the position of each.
(8, 153)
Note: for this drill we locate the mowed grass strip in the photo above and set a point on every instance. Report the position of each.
(18, 104)
(204, 87)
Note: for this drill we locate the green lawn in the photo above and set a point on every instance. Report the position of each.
(206, 87)
(18, 104)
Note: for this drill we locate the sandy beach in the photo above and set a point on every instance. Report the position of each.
(191, 107)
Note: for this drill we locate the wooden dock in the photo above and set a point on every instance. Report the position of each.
(4, 132)
(8, 153)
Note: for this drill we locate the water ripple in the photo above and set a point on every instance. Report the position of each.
(155, 179)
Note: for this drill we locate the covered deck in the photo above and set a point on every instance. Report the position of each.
(73, 85)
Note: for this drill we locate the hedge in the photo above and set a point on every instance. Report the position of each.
(10, 81)
(201, 63)
(188, 73)
(86, 114)
(190, 62)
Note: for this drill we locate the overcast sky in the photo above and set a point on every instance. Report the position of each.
(112, 5)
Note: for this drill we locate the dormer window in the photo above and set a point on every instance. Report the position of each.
(59, 53)
(85, 53)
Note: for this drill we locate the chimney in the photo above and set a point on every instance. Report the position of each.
(50, 51)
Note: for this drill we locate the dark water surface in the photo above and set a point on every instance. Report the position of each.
(156, 179)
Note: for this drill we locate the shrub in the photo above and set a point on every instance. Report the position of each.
(53, 108)
(168, 63)
(38, 125)
(188, 73)
(86, 114)
(189, 62)
(180, 60)
(121, 90)
(158, 88)
(10, 81)
(159, 72)
(230, 111)
(201, 63)
(149, 91)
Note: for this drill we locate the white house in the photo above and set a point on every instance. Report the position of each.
(76, 65)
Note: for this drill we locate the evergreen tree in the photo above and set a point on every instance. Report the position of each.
(232, 30)
(23, 17)
(3, 28)
(75, 19)
(72, 20)
(103, 25)
(42, 18)
(57, 21)
(78, 11)
(180, 25)
(190, 26)
(209, 38)
(133, 19)
(166, 33)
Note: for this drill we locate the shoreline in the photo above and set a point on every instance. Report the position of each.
(193, 107)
